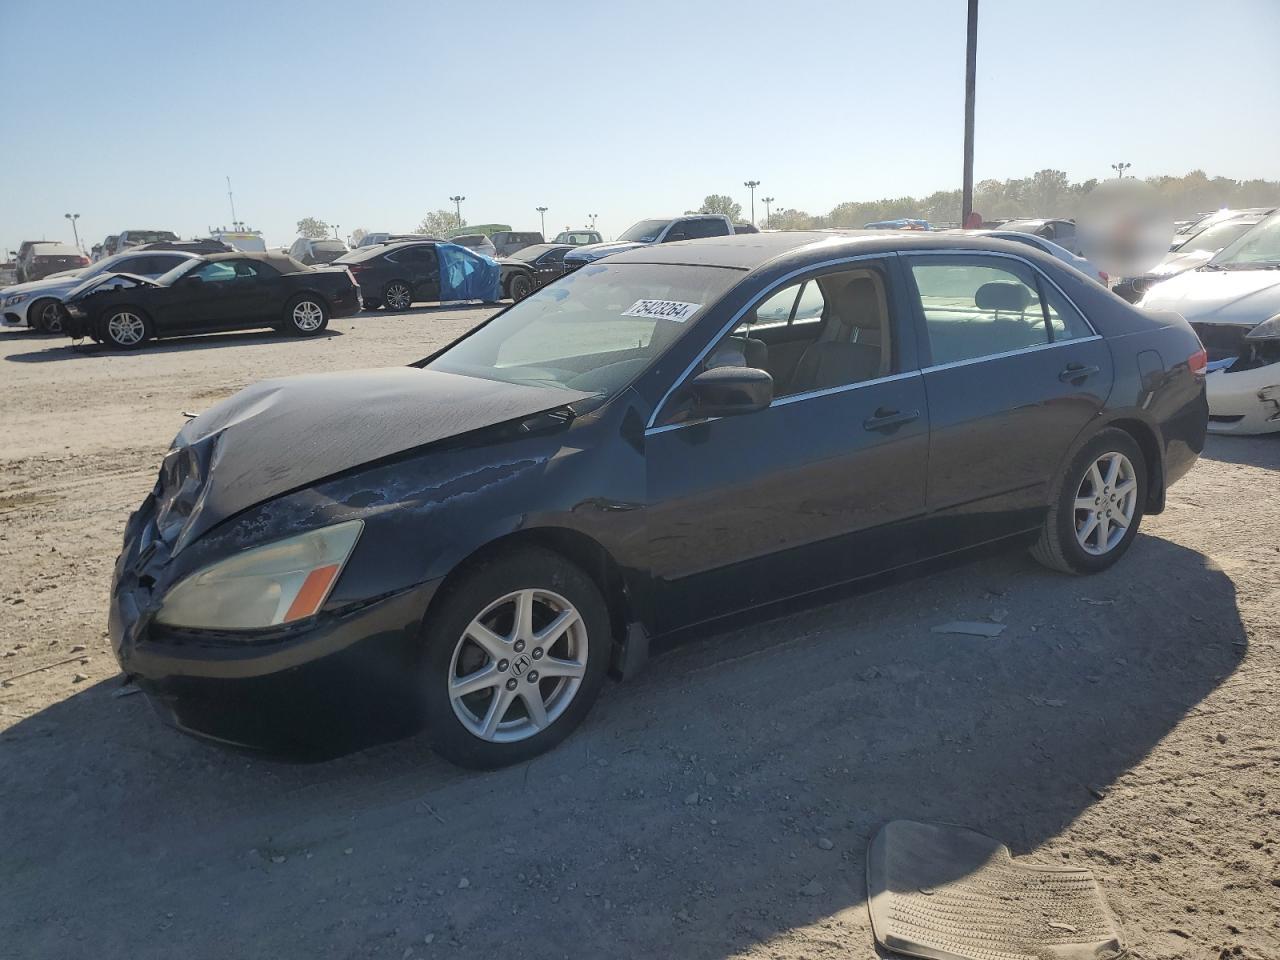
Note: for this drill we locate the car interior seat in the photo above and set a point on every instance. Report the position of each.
(851, 347)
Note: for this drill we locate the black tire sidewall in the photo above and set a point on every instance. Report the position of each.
(518, 281)
(293, 328)
(475, 589)
(1108, 441)
(36, 313)
(386, 298)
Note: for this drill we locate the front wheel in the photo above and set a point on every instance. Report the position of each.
(1097, 508)
(46, 316)
(125, 328)
(516, 653)
(305, 316)
(519, 287)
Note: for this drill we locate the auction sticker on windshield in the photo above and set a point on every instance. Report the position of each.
(662, 310)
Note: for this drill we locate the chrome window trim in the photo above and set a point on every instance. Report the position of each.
(794, 397)
(954, 252)
(1008, 353)
(733, 322)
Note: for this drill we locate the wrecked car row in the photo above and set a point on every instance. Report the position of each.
(653, 441)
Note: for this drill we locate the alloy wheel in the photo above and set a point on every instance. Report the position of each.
(518, 666)
(1105, 503)
(307, 316)
(398, 297)
(126, 329)
(50, 319)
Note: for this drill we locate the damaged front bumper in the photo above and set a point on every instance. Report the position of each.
(1243, 383)
(337, 682)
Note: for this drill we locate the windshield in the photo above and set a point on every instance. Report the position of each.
(168, 279)
(646, 231)
(594, 330)
(1217, 236)
(151, 236)
(1259, 247)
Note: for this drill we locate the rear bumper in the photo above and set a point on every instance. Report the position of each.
(346, 303)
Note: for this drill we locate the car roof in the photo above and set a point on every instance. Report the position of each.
(281, 261)
(747, 251)
(59, 250)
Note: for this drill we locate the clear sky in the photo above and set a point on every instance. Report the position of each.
(371, 112)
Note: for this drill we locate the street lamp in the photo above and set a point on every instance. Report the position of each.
(751, 185)
(767, 216)
(593, 219)
(542, 212)
(73, 217)
(1120, 168)
(336, 235)
(457, 202)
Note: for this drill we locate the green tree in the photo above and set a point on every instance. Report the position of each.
(438, 222)
(719, 203)
(357, 235)
(312, 229)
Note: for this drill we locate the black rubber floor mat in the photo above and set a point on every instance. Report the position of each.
(948, 893)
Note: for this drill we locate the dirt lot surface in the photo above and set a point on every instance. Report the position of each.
(718, 806)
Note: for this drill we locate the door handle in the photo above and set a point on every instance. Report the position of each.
(884, 419)
(1077, 371)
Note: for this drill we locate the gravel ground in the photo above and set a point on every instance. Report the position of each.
(718, 806)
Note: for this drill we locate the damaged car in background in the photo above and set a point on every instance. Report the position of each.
(673, 435)
(1233, 303)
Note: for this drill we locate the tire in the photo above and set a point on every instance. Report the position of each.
(519, 286)
(45, 316)
(489, 594)
(1072, 537)
(398, 295)
(125, 328)
(305, 315)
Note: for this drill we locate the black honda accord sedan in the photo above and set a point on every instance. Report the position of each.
(469, 544)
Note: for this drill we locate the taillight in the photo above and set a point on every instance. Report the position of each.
(1198, 361)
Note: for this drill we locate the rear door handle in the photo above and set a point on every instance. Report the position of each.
(884, 419)
(1077, 371)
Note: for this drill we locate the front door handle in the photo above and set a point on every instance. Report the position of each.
(1077, 371)
(884, 419)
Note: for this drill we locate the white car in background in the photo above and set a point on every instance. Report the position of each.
(1046, 246)
(38, 304)
(1233, 302)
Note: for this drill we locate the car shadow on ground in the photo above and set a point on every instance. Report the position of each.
(683, 819)
(1260, 451)
(207, 341)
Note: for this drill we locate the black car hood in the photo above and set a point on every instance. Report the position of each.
(280, 435)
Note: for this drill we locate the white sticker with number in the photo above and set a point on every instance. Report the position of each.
(672, 310)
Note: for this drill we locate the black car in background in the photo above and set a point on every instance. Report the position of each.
(532, 267)
(395, 274)
(226, 291)
(675, 434)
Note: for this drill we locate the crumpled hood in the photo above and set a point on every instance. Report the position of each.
(279, 435)
(594, 251)
(1176, 263)
(1218, 296)
(48, 284)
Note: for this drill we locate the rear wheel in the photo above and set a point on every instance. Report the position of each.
(125, 328)
(306, 315)
(45, 316)
(519, 286)
(516, 654)
(1097, 508)
(398, 295)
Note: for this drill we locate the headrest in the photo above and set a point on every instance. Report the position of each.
(1002, 296)
(857, 305)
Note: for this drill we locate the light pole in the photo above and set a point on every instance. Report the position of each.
(970, 84)
(542, 212)
(73, 217)
(593, 219)
(336, 236)
(751, 185)
(457, 202)
(767, 216)
(1120, 168)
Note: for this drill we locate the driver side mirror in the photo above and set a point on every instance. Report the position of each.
(728, 391)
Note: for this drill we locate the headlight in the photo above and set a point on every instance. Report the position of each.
(15, 299)
(273, 584)
(1266, 330)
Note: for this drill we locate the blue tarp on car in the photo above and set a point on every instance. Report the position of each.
(467, 275)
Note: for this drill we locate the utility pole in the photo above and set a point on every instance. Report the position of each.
(767, 215)
(232, 201)
(1120, 168)
(457, 202)
(73, 217)
(751, 185)
(593, 219)
(970, 84)
(542, 212)
(336, 236)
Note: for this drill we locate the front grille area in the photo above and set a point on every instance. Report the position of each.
(1221, 340)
